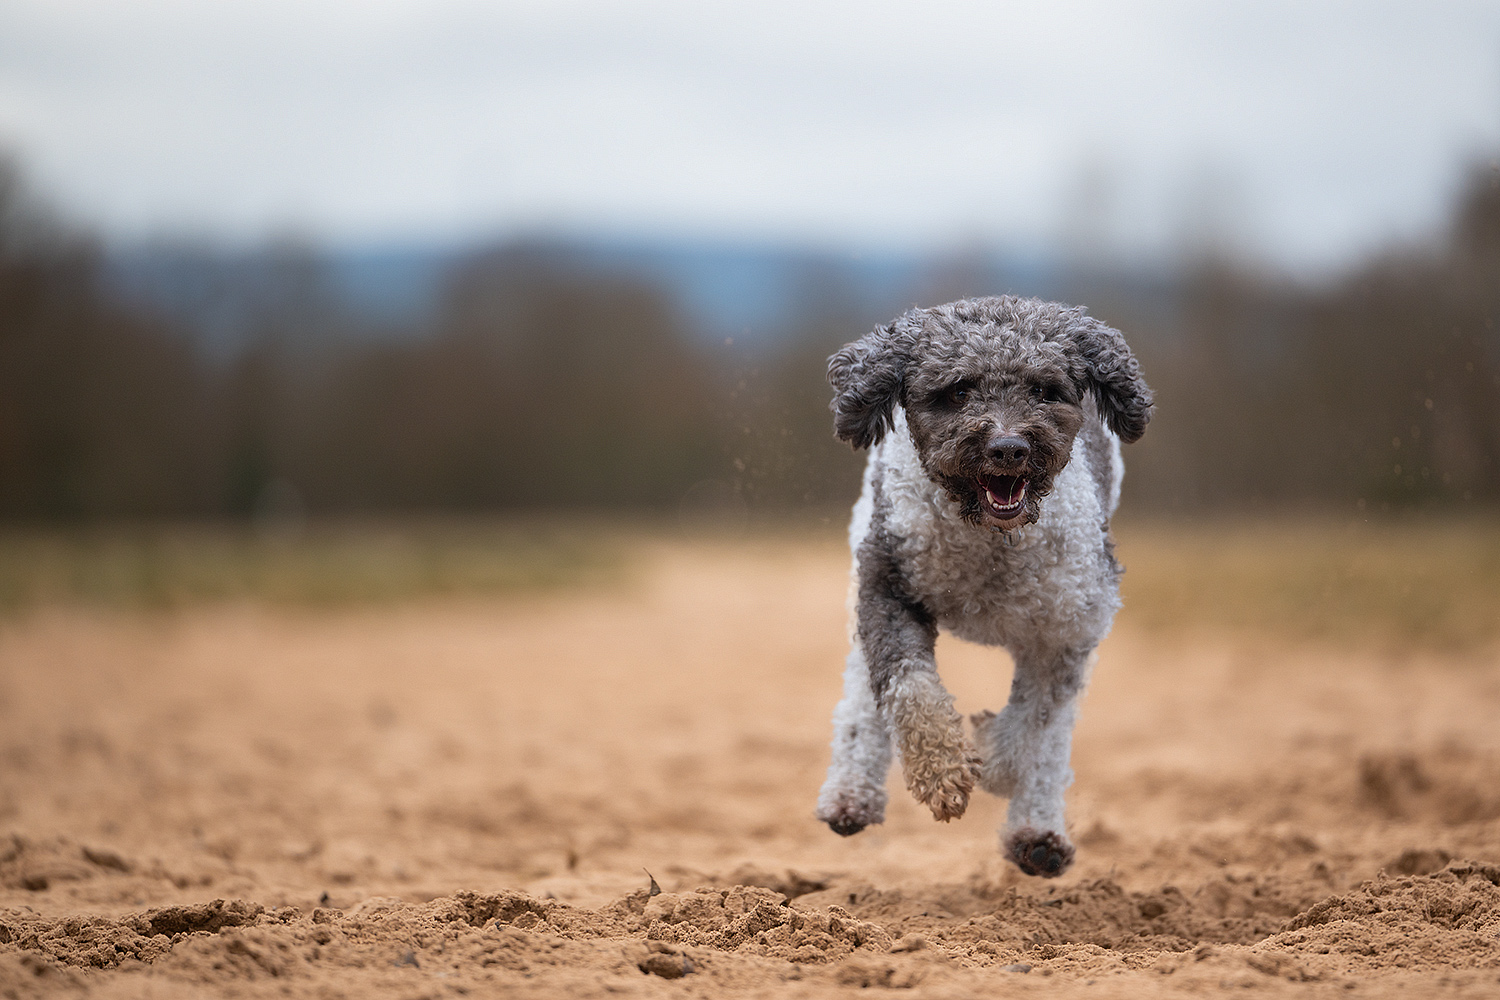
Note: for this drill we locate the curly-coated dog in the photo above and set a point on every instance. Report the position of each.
(986, 506)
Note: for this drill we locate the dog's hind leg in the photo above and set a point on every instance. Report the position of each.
(1026, 749)
(853, 796)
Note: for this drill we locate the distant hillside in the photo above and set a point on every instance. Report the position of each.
(723, 290)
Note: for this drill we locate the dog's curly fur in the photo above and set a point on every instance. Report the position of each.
(985, 510)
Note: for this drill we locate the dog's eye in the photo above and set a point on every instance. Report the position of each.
(1052, 392)
(957, 395)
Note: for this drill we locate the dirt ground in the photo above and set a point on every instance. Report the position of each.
(465, 796)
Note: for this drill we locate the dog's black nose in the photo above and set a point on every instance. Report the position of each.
(1008, 450)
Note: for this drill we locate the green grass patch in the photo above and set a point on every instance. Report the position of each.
(1423, 583)
(322, 564)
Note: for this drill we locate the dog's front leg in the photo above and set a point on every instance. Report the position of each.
(896, 635)
(1026, 749)
(853, 795)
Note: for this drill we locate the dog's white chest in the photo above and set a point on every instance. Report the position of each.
(1052, 582)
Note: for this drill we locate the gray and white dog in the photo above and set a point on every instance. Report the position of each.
(986, 506)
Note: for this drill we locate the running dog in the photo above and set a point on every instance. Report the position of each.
(994, 429)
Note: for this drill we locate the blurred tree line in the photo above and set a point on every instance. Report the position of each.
(1378, 391)
(539, 386)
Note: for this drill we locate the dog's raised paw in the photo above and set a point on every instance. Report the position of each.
(1046, 855)
(941, 766)
(945, 789)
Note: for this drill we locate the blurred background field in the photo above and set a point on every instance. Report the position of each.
(252, 379)
(154, 567)
(1369, 585)
(1383, 585)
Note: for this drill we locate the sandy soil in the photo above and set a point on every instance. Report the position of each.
(460, 797)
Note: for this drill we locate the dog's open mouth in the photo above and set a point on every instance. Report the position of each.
(1004, 496)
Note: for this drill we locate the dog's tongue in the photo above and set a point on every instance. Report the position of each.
(1005, 493)
(1007, 489)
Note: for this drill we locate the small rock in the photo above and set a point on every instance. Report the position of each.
(1017, 967)
(667, 966)
(106, 859)
(911, 942)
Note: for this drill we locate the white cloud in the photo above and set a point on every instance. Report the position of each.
(897, 123)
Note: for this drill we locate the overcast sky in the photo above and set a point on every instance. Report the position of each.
(1307, 132)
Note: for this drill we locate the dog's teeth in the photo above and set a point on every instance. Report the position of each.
(1000, 507)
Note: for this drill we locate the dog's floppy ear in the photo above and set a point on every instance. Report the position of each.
(866, 379)
(1115, 377)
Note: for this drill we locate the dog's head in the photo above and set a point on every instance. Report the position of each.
(993, 390)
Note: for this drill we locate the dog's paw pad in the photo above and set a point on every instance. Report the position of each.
(1043, 854)
(849, 814)
(845, 826)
